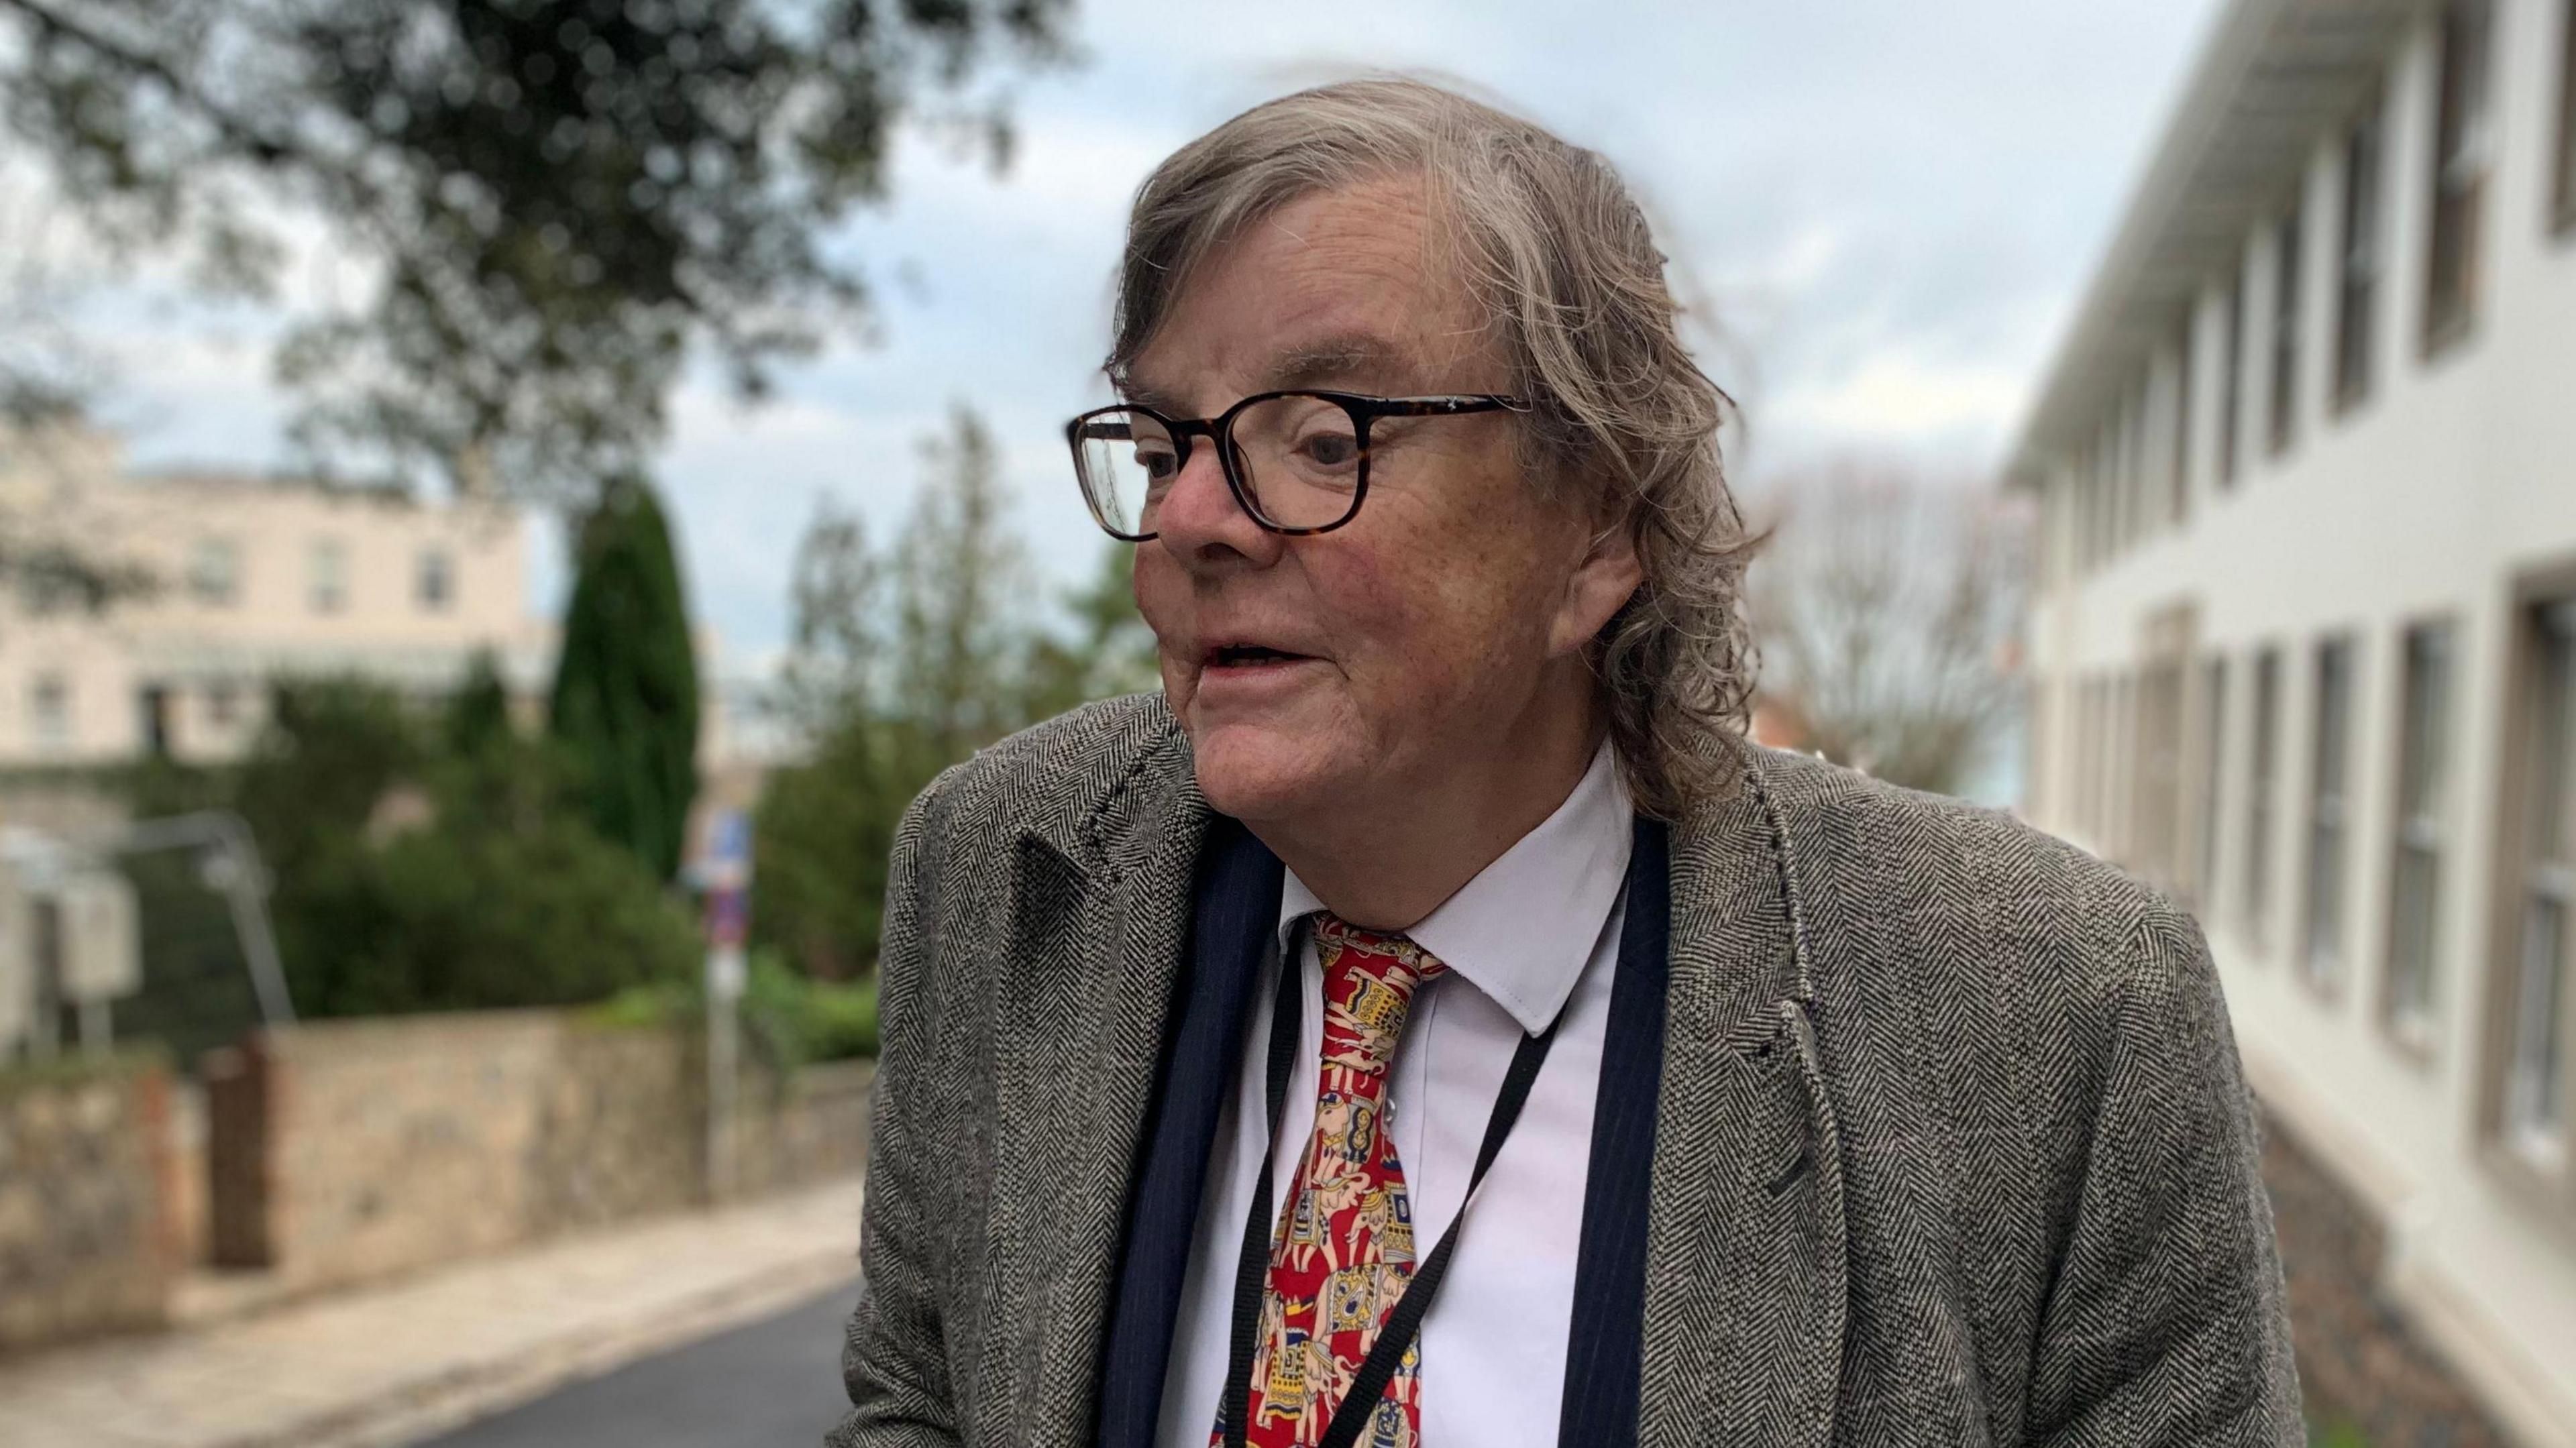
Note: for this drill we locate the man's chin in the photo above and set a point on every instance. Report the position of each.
(1253, 772)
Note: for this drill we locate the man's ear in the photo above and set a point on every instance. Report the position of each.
(1601, 585)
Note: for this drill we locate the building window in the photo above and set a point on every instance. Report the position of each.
(2423, 777)
(2231, 381)
(2566, 188)
(2358, 287)
(2541, 873)
(214, 572)
(2155, 827)
(2213, 774)
(2261, 785)
(2460, 161)
(328, 576)
(2329, 811)
(2285, 331)
(2180, 481)
(434, 580)
(2118, 829)
(152, 719)
(223, 704)
(49, 713)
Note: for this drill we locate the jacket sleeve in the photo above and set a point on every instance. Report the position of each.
(2166, 1323)
(894, 1358)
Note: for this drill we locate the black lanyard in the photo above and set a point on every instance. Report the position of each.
(1253, 1268)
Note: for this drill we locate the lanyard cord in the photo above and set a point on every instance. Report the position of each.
(1253, 1267)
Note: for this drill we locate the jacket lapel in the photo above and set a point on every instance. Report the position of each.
(1745, 1285)
(1107, 881)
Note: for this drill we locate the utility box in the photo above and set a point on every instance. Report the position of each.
(71, 941)
(17, 964)
(102, 939)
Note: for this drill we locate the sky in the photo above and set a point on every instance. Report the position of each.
(1890, 207)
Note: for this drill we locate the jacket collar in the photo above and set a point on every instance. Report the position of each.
(1522, 930)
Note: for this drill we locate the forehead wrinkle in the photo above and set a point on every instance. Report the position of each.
(1345, 357)
(1340, 357)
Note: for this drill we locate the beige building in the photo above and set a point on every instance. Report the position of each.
(249, 579)
(2303, 649)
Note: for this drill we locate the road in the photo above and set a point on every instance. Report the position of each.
(775, 1383)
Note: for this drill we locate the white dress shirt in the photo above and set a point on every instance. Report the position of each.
(1535, 931)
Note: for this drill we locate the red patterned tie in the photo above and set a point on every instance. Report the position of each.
(1345, 1250)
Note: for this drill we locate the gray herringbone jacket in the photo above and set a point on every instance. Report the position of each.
(2030, 1212)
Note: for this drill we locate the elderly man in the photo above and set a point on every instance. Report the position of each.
(1430, 1020)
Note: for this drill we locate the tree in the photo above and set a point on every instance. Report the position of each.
(1886, 605)
(960, 580)
(477, 718)
(901, 665)
(555, 203)
(625, 704)
(1110, 652)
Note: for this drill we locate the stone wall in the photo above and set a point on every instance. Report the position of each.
(87, 1237)
(348, 1151)
(811, 1127)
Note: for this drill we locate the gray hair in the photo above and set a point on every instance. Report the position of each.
(1552, 241)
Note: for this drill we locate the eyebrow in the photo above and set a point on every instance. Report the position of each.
(1338, 357)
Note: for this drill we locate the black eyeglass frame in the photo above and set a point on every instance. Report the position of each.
(1363, 410)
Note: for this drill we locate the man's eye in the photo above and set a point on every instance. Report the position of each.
(1330, 449)
(1159, 464)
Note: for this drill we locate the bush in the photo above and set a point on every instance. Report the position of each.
(461, 918)
(419, 864)
(788, 1020)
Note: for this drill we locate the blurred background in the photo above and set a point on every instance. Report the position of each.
(502, 502)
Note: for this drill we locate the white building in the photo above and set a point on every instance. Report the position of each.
(252, 579)
(2303, 648)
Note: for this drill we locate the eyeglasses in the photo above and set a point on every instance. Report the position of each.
(1297, 462)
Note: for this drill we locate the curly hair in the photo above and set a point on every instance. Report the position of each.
(1551, 241)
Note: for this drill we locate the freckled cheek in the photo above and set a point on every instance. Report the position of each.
(1161, 593)
(1394, 624)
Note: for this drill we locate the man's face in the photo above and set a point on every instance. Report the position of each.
(1320, 672)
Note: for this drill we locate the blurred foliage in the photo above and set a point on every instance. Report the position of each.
(789, 1019)
(552, 204)
(625, 707)
(408, 877)
(903, 663)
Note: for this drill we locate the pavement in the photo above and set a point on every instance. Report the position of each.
(401, 1363)
(773, 1384)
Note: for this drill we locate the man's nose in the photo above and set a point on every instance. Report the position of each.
(1201, 523)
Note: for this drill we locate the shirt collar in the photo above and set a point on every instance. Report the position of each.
(1522, 930)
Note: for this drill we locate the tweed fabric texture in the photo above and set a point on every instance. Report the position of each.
(1951, 1144)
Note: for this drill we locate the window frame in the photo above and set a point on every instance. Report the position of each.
(210, 586)
(2546, 1173)
(2462, 165)
(2289, 278)
(2255, 884)
(53, 715)
(2231, 375)
(327, 589)
(439, 560)
(2185, 376)
(2562, 210)
(2324, 942)
(2209, 879)
(2430, 817)
(2358, 262)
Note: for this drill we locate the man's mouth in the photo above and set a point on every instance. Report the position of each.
(1237, 656)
